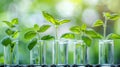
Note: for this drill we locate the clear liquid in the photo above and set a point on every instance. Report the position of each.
(80, 52)
(11, 56)
(106, 52)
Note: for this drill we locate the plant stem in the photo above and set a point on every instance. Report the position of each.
(66, 53)
(56, 32)
(105, 27)
(57, 46)
(82, 34)
(11, 52)
(54, 46)
(11, 57)
(40, 49)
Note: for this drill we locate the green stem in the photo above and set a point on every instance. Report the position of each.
(82, 34)
(40, 49)
(57, 53)
(105, 27)
(56, 32)
(11, 51)
(11, 55)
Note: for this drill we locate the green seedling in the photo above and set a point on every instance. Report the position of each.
(57, 23)
(107, 17)
(35, 35)
(12, 35)
(54, 21)
(82, 32)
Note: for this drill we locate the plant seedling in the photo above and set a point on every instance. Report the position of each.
(54, 21)
(82, 32)
(107, 17)
(56, 24)
(12, 34)
(35, 35)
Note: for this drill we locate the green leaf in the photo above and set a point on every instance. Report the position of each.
(36, 26)
(114, 17)
(9, 24)
(87, 40)
(13, 44)
(15, 34)
(107, 15)
(9, 31)
(93, 34)
(14, 21)
(83, 27)
(113, 36)
(98, 23)
(43, 28)
(64, 21)
(30, 34)
(49, 17)
(111, 16)
(68, 36)
(47, 37)
(75, 29)
(6, 41)
(32, 43)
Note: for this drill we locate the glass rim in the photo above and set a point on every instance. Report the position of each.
(106, 40)
(62, 40)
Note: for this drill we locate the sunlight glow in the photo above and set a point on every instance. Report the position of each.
(65, 8)
(89, 16)
(91, 2)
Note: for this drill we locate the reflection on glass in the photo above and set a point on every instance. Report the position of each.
(11, 56)
(106, 52)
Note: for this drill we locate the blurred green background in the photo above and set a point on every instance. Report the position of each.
(78, 11)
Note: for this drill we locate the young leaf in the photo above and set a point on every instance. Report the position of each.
(83, 27)
(9, 24)
(49, 17)
(75, 29)
(68, 36)
(15, 34)
(43, 28)
(30, 34)
(113, 36)
(14, 21)
(107, 15)
(32, 43)
(98, 23)
(111, 16)
(47, 37)
(87, 40)
(93, 34)
(13, 44)
(6, 41)
(9, 31)
(114, 17)
(36, 26)
(64, 21)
